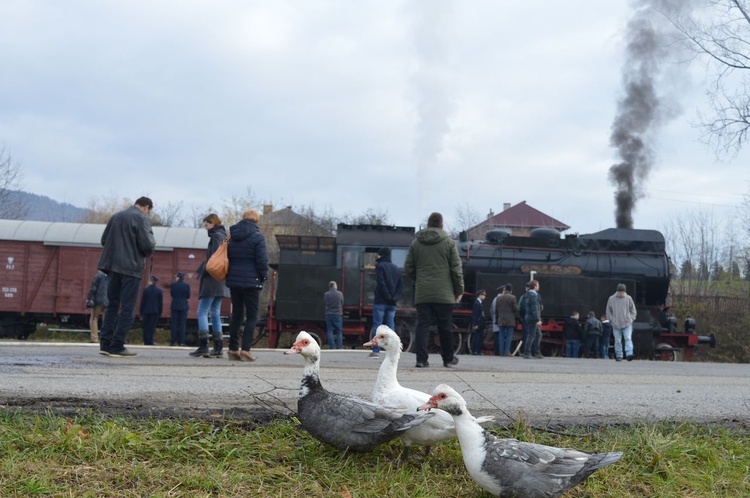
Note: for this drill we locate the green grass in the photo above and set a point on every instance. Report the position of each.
(93, 455)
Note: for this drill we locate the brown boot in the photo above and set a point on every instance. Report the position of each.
(246, 356)
(233, 355)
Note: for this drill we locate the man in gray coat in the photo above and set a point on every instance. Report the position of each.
(434, 265)
(127, 240)
(621, 313)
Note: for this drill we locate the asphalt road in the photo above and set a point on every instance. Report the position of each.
(551, 391)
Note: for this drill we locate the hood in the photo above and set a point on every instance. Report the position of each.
(243, 230)
(216, 229)
(431, 236)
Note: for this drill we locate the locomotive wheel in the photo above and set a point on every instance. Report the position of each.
(665, 352)
(433, 343)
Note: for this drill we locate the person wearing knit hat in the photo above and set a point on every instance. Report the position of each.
(621, 313)
(388, 289)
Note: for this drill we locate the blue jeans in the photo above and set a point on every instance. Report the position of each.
(504, 338)
(122, 291)
(624, 334)
(334, 325)
(382, 314)
(206, 304)
(532, 347)
(572, 348)
(245, 302)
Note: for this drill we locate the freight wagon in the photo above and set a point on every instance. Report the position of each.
(46, 270)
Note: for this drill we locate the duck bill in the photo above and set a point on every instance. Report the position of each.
(371, 343)
(293, 350)
(427, 406)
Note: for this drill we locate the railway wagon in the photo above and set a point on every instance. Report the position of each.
(580, 273)
(47, 267)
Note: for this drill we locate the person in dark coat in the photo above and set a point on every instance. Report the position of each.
(592, 331)
(248, 270)
(389, 285)
(210, 293)
(97, 301)
(152, 302)
(180, 292)
(478, 324)
(505, 312)
(605, 338)
(532, 305)
(573, 334)
(127, 240)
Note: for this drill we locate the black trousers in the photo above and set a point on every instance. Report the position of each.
(443, 316)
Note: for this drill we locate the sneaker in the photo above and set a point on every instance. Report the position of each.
(618, 359)
(373, 355)
(538, 357)
(246, 356)
(451, 363)
(104, 352)
(630, 357)
(123, 353)
(422, 364)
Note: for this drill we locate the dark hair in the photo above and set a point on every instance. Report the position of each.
(145, 202)
(213, 219)
(591, 313)
(435, 220)
(508, 288)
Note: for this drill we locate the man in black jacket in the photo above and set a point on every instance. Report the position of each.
(127, 240)
(152, 306)
(389, 286)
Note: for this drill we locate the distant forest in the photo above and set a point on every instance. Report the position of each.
(42, 208)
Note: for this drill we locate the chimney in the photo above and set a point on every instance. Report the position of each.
(506, 206)
(490, 214)
(267, 209)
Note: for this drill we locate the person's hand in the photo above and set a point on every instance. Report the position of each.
(458, 298)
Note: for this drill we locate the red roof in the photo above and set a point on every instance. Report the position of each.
(524, 216)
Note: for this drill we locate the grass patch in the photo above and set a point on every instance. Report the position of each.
(95, 455)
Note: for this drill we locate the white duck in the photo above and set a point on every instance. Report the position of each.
(388, 392)
(344, 422)
(508, 467)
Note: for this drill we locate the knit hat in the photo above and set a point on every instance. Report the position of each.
(621, 288)
(384, 252)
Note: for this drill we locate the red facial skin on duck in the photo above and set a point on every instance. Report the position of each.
(297, 347)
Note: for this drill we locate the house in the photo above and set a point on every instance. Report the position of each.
(518, 220)
(285, 222)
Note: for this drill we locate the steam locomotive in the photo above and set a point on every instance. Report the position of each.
(576, 273)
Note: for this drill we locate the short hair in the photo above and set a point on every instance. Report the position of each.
(331, 284)
(144, 202)
(251, 215)
(592, 314)
(212, 218)
(435, 220)
(508, 288)
(533, 284)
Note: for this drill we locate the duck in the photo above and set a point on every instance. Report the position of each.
(389, 392)
(345, 422)
(508, 467)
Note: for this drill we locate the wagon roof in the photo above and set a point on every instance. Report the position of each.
(88, 234)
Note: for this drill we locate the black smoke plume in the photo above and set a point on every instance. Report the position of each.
(638, 113)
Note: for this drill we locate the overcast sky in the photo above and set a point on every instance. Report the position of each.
(401, 106)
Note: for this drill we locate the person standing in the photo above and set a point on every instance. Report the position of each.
(592, 330)
(573, 334)
(334, 301)
(433, 263)
(211, 291)
(522, 317)
(389, 285)
(180, 292)
(621, 312)
(478, 323)
(506, 309)
(248, 270)
(96, 301)
(605, 338)
(127, 240)
(152, 304)
(493, 320)
(533, 319)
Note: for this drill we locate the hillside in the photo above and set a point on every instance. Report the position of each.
(42, 208)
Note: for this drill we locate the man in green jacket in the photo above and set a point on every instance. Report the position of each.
(434, 265)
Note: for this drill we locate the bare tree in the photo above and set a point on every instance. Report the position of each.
(721, 33)
(100, 210)
(170, 215)
(12, 207)
(466, 217)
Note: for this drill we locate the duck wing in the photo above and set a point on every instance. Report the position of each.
(346, 422)
(535, 470)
